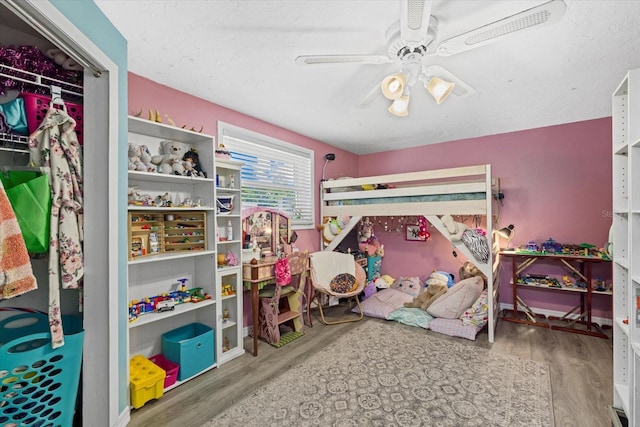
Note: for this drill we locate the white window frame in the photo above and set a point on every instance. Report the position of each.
(231, 135)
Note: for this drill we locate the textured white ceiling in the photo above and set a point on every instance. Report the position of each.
(240, 54)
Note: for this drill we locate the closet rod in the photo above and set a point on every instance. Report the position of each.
(40, 80)
(14, 143)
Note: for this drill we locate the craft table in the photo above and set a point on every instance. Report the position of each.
(523, 260)
(254, 278)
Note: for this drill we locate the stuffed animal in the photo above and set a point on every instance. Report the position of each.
(384, 281)
(169, 161)
(61, 58)
(191, 163)
(454, 228)
(331, 227)
(140, 158)
(436, 287)
(469, 270)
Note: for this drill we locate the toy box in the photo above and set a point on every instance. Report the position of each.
(146, 381)
(191, 347)
(169, 367)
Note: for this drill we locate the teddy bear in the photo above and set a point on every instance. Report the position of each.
(468, 269)
(455, 229)
(140, 158)
(169, 161)
(436, 287)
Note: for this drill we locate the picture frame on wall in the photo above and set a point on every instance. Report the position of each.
(412, 233)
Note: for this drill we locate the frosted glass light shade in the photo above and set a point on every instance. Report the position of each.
(393, 85)
(439, 89)
(400, 106)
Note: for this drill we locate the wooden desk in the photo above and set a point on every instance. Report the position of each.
(522, 260)
(254, 278)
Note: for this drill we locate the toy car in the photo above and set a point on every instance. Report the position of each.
(165, 305)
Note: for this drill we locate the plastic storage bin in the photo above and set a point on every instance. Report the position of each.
(36, 107)
(39, 384)
(191, 347)
(146, 381)
(169, 367)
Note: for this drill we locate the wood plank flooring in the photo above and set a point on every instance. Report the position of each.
(581, 373)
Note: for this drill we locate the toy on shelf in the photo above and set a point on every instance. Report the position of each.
(225, 315)
(227, 290)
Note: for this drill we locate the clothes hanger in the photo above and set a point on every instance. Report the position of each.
(56, 98)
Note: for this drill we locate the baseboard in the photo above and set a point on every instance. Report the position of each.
(124, 418)
(598, 320)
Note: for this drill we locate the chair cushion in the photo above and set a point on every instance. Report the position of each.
(457, 299)
(412, 317)
(382, 303)
(343, 283)
(270, 291)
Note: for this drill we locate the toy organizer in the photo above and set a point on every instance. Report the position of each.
(38, 383)
(157, 232)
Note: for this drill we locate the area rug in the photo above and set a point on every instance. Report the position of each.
(381, 374)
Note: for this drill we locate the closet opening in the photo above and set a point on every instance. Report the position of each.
(35, 32)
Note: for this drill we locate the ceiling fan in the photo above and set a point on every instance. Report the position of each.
(415, 37)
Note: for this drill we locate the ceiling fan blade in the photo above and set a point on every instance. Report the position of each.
(338, 59)
(414, 21)
(543, 14)
(460, 89)
(367, 100)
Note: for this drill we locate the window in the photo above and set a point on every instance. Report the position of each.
(275, 174)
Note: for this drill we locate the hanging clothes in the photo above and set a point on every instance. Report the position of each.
(55, 145)
(16, 275)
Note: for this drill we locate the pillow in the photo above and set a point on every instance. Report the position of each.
(457, 299)
(477, 315)
(477, 244)
(343, 283)
(408, 285)
(454, 328)
(412, 317)
(383, 302)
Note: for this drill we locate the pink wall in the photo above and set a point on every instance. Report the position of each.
(182, 108)
(556, 181)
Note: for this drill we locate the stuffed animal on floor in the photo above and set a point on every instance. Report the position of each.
(454, 228)
(468, 269)
(436, 287)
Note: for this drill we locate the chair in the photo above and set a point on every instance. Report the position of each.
(325, 266)
(283, 305)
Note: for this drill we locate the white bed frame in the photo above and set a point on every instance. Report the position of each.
(468, 179)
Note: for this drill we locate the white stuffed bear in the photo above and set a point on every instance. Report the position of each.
(454, 228)
(169, 161)
(140, 158)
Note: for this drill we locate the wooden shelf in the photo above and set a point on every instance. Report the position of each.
(288, 315)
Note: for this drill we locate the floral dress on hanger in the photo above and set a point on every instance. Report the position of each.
(55, 145)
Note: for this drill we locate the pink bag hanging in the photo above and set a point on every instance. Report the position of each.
(283, 272)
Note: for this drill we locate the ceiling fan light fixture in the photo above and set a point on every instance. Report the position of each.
(392, 86)
(400, 106)
(439, 89)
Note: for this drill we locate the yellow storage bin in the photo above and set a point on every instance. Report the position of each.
(146, 380)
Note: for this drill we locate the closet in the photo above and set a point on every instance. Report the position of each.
(42, 90)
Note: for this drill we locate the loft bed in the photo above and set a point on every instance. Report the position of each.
(469, 190)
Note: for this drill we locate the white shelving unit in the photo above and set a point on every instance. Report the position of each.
(626, 246)
(230, 313)
(160, 273)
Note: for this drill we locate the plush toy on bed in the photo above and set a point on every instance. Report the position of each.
(468, 269)
(455, 229)
(436, 287)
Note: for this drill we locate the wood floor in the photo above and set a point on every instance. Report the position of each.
(581, 373)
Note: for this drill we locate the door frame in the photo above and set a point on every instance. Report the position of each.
(102, 389)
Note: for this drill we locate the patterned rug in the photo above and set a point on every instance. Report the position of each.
(380, 374)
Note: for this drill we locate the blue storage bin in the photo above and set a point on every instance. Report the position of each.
(191, 347)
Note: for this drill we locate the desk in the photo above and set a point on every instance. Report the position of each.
(254, 278)
(522, 260)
